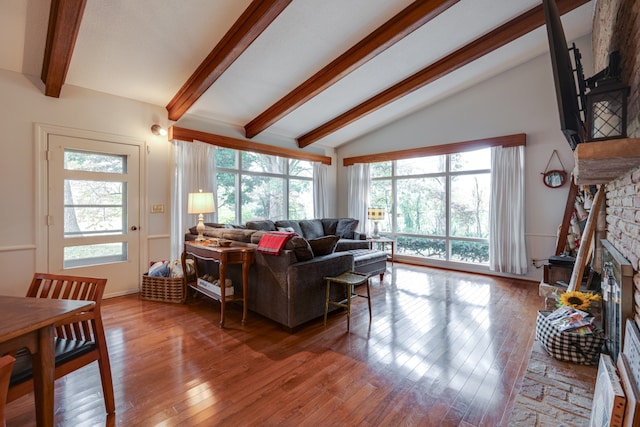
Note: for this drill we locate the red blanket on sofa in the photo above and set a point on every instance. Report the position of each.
(273, 242)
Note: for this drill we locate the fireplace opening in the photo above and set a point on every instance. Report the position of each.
(617, 296)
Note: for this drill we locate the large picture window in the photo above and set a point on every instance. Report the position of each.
(253, 185)
(437, 206)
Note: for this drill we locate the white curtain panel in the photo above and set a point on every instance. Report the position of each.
(507, 249)
(193, 169)
(359, 182)
(320, 190)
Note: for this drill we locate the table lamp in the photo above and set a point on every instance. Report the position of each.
(375, 215)
(200, 203)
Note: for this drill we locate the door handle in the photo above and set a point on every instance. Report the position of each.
(133, 228)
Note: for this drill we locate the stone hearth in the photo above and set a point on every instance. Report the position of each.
(553, 393)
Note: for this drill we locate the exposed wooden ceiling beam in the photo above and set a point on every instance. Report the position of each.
(190, 135)
(65, 17)
(404, 23)
(483, 45)
(253, 21)
(437, 150)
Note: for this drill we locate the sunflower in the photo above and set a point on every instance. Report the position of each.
(578, 300)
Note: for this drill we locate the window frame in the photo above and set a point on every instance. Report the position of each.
(447, 175)
(239, 173)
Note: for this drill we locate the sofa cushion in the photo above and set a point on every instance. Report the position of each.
(239, 226)
(216, 233)
(312, 228)
(194, 230)
(239, 235)
(287, 223)
(300, 247)
(346, 227)
(265, 224)
(323, 245)
(329, 225)
(348, 244)
(257, 235)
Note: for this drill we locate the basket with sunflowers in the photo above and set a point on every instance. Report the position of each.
(568, 332)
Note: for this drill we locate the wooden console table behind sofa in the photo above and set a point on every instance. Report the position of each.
(223, 256)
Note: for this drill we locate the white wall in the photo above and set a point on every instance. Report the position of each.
(520, 100)
(22, 104)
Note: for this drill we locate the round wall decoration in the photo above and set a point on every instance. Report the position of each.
(554, 178)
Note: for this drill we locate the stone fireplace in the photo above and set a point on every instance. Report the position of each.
(617, 27)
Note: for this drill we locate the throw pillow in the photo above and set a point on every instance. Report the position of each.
(346, 227)
(300, 247)
(290, 223)
(324, 245)
(311, 228)
(265, 224)
(329, 225)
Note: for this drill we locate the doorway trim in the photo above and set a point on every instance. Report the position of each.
(42, 132)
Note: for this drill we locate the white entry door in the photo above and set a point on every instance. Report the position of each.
(93, 210)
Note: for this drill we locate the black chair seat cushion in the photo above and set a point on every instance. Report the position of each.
(65, 350)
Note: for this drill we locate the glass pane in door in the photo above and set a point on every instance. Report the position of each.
(94, 162)
(86, 255)
(94, 207)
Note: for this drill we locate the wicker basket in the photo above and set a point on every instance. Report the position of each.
(167, 289)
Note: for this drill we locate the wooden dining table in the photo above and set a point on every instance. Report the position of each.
(29, 323)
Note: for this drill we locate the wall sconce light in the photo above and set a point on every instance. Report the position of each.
(156, 129)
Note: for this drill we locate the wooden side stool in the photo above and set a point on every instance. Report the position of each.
(350, 279)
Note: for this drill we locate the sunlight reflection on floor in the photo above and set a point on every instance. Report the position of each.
(436, 328)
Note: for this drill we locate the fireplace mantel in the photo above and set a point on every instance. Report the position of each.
(601, 162)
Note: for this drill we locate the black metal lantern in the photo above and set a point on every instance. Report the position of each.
(606, 103)
(607, 110)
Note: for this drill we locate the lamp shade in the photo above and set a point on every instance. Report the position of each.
(200, 203)
(375, 214)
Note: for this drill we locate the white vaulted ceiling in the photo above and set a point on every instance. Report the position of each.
(147, 49)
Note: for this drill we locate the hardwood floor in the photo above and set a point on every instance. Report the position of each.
(444, 349)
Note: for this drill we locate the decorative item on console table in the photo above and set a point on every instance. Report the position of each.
(200, 203)
(376, 215)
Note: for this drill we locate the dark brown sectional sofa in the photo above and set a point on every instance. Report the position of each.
(284, 288)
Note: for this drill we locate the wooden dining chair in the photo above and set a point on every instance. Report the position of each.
(79, 340)
(6, 365)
